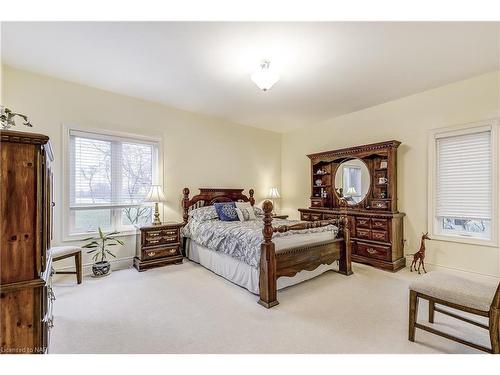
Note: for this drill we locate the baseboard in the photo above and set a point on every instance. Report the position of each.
(116, 264)
(409, 258)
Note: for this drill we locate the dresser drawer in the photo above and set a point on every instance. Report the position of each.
(381, 205)
(330, 216)
(373, 251)
(315, 217)
(380, 235)
(160, 253)
(316, 202)
(363, 233)
(380, 224)
(363, 222)
(305, 216)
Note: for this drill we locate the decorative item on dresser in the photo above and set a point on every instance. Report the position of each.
(365, 177)
(158, 245)
(26, 206)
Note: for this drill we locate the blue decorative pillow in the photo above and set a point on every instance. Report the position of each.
(226, 211)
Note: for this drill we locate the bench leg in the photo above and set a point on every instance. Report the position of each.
(494, 324)
(413, 311)
(78, 266)
(431, 311)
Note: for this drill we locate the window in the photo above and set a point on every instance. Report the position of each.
(463, 184)
(109, 176)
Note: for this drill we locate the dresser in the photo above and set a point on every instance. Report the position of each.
(158, 245)
(26, 204)
(366, 178)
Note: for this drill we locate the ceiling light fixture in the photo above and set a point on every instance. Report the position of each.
(264, 77)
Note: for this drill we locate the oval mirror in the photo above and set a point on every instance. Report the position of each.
(352, 181)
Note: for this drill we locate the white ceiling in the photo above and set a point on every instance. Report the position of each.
(327, 69)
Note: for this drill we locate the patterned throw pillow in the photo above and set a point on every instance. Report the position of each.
(204, 213)
(226, 211)
(245, 211)
(258, 211)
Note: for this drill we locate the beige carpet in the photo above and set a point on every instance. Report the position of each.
(188, 309)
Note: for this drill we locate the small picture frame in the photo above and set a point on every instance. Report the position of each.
(383, 164)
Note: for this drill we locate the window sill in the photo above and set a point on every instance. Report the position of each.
(80, 237)
(464, 240)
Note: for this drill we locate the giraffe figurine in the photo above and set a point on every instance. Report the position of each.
(420, 255)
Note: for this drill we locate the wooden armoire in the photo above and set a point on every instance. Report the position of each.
(26, 205)
(366, 177)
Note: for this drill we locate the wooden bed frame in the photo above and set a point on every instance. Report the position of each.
(288, 261)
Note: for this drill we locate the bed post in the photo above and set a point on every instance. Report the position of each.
(345, 255)
(251, 199)
(185, 204)
(267, 279)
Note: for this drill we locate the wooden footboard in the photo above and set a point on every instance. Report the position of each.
(290, 261)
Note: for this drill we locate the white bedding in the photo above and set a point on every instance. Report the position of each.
(246, 276)
(242, 240)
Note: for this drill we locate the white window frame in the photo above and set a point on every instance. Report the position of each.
(432, 221)
(66, 129)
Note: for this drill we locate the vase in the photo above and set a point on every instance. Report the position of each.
(100, 269)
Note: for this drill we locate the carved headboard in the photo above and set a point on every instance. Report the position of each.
(209, 196)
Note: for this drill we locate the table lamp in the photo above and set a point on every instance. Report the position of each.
(155, 195)
(351, 191)
(272, 195)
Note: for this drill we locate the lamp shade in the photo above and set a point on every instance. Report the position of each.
(351, 191)
(155, 194)
(273, 193)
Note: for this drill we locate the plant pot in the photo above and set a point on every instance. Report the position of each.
(100, 269)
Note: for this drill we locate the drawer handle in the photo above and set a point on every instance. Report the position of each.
(173, 238)
(151, 253)
(371, 250)
(172, 251)
(153, 234)
(153, 241)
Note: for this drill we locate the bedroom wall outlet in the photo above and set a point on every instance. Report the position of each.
(406, 243)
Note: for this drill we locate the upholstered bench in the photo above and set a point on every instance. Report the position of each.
(63, 252)
(460, 294)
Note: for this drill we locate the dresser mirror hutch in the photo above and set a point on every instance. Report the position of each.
(366, 178)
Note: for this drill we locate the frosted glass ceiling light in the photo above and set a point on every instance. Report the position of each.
(264, 77)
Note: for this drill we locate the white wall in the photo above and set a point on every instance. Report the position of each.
(407, 120)
(204, 151)
(198, 151)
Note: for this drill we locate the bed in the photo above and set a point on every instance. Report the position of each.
(265, 254)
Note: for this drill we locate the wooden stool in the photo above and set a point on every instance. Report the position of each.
(460, 294)
(63, 252)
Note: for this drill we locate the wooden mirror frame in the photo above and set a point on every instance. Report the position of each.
(334, 188)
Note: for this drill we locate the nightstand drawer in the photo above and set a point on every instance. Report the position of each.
(161, 237)
(160, 253)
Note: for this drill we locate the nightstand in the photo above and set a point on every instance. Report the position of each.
(158, 245)
(280, 216)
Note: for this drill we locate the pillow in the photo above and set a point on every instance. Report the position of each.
(258, 211)
(246, 210)
(204, 213)
(226, 211)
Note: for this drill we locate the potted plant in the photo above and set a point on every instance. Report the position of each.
(99, 246)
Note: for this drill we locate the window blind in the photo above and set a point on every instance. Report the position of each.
(464, 176)
(107, 171)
